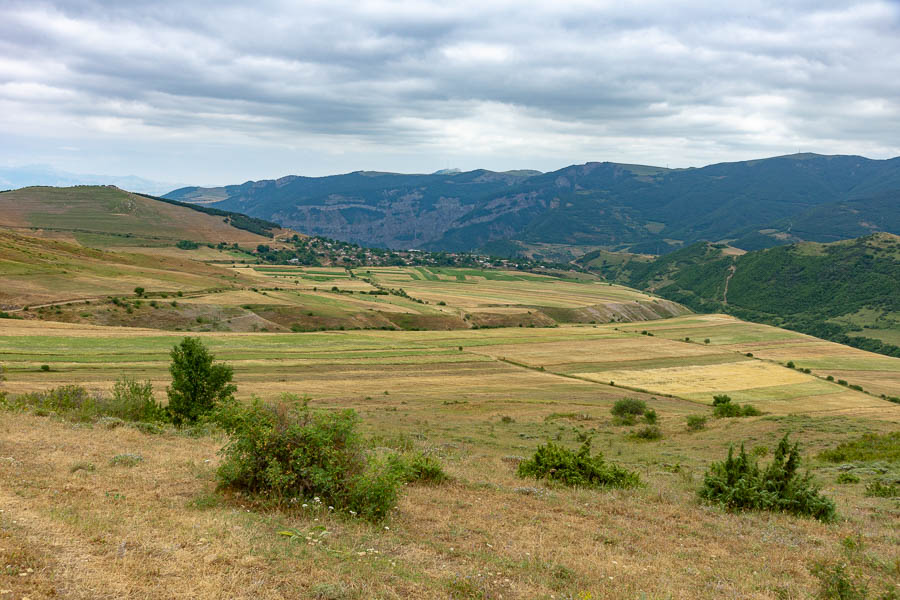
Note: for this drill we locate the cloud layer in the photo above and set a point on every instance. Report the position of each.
(217, 92)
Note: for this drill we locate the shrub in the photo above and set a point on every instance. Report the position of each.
(628, 407)
(696, 422)
(139, 291)
(650, 432)
(197, 383)
(133, 401)
(723, 407)
(45, 368)
(578, 469)
(286, 451)
(883, 489)
(738, 484)
(869, 447)
(790, 364)
(70, 401)
(650, 416)
(836, 583)
(416, 466)
(847, 478)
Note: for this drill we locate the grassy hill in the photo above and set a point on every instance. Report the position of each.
(100, 216)
(846, 291)
(36, 271)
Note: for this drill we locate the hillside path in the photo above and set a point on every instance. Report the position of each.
(731, 271)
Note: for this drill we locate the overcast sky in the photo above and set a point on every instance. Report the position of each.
(225, 91)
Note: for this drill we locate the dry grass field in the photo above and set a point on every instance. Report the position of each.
(75, 525)
(475, 367)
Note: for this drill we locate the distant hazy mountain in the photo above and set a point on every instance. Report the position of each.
(755, 204)
(17, 177)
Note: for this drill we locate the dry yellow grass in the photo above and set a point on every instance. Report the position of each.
(159, 530)
(602, 350)
(689, 379)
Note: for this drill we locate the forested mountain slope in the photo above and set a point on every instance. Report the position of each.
(753, 204)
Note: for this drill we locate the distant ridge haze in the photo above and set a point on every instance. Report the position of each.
(643, 208)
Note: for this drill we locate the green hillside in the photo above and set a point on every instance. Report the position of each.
(845, 291)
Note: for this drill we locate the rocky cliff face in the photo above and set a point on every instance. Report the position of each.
(398, 220)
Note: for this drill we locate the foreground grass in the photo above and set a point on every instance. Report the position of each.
(89, 525)
(158, 529)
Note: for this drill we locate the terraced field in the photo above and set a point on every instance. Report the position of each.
(283, 298)
(513, 363)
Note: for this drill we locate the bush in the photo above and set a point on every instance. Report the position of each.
(650, 432)
(696, 422)
(133, 401)
(197, 384)
(45, 368)
(286, 451)
(629, 407)
(883, 489)
(847, 478)
(415, 466)
(72, 402)
(869, 447)
(837, 583)
(578, 469)
(723, 407)
(650, 416)
(738, 484)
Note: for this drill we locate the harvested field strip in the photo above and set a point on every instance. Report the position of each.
(651, 363)
(704, 378)
(772, 393)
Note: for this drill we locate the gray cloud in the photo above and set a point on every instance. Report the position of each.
(216, 92)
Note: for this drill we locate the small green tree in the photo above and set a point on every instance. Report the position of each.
(738, 483)
(139, 291)
(198, 384)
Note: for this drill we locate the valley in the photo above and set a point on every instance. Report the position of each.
(474, 367)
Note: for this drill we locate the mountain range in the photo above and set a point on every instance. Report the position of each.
(751, 204)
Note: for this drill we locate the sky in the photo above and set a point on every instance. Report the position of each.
(210, 93)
